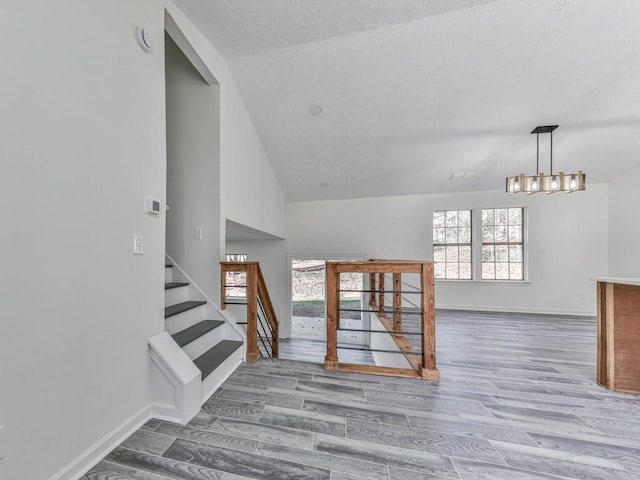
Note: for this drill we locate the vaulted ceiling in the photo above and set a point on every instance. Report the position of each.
(411, 92)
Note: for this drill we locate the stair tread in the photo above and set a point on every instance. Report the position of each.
(188, 335)
(213, 358)
(170, 285)
(182, 307)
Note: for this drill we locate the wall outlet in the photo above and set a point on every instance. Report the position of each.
(197, 233)
(1, 442)
(138, 245)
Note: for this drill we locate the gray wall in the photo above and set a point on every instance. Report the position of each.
(193, 171)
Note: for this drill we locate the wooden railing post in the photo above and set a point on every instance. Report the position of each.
(397, 301)
(253, 353)
(372, 286)
(381, 291)
(428, 369)
(223, 286)
(331, 360)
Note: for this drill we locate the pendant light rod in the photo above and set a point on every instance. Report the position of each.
(537, 153)
(551, 155)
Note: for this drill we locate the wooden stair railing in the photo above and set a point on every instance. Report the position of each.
(422, 362)
(257, 296)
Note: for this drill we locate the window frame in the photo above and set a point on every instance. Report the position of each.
(476, 247)
(524, 243)
(458, 244)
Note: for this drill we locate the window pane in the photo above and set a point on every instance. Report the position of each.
(501, 216)
(452, 254)
(438, 219)
(515, 253)
(464, 235)
(502, 253)
(439, 270)
(488, 271)
(464, 218)
(487, 233)
(488, 253)
(452, 218)
(452, 235)
(515, 234)
(438, 236)
(465, 271)
(516, 271)
(439, 254)
(501, 234)
(502, 271)
(452, 271)
(515, 216)
(464, 254)
(488, 217)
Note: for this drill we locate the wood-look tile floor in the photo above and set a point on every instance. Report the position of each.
(517, 400)
(313, 351)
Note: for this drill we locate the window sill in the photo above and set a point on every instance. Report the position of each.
(522, 283)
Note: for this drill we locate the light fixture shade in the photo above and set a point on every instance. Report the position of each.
(573, 182)
(534, 184)
(515, 184)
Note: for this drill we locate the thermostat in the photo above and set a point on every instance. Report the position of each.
(151, 206)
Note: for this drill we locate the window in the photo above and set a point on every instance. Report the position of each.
(495, 250)
(452, 244)
(236, 257)
(503, 244)
(236, 282)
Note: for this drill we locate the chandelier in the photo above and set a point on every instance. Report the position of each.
(554, 182)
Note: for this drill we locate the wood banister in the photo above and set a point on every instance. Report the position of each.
(257, 291)
(423, 364)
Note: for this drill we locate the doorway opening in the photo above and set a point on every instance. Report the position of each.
(308, 309)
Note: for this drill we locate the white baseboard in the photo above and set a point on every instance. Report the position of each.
(92, 455)
(542, 311)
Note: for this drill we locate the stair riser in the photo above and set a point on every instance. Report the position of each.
(184, 320)
(204, 343)
(167, 275)
(220, 374)
(176, 295)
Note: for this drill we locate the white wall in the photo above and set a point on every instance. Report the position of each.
(272, 257)
(624, 225)
(193, 171)
(82, 144)
(250, 191)
(567, 243)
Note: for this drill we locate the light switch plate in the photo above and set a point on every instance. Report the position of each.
(138, 245)
(197, 233)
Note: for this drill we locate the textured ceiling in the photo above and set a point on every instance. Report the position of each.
(415, 91)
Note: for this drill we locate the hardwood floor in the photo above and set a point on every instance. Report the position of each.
(517, 400)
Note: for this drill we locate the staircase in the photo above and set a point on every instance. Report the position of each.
(197, 351)
(200, 337)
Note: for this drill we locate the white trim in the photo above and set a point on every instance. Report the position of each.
(96, 452)
(232, 324)
(178, 36)
(542, 311)
(486, 283)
